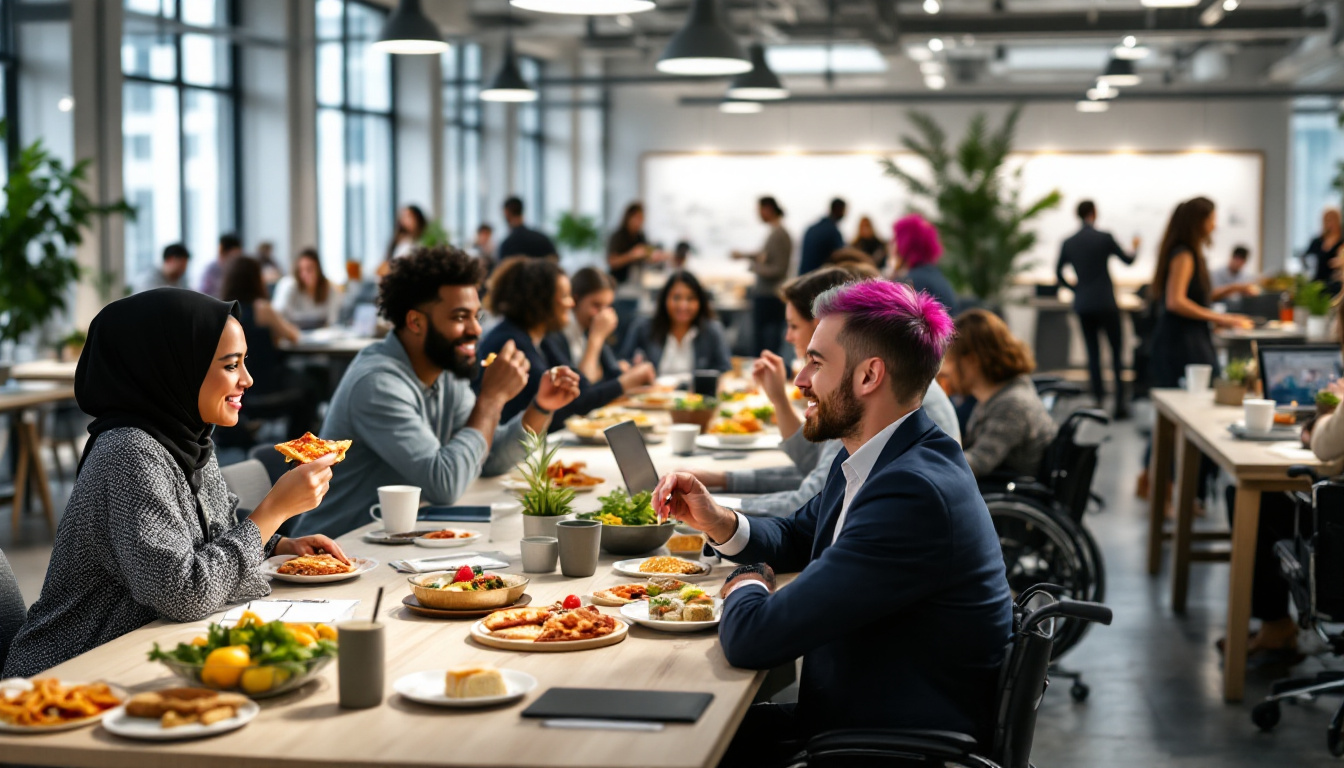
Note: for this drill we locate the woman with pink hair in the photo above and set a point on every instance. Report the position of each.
(917, 252)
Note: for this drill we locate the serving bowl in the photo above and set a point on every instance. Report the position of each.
(635, 539)
(258, 681)
(514, 586)
(736, 438)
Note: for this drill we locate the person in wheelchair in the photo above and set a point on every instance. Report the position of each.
(901, 608)
(1010, 428)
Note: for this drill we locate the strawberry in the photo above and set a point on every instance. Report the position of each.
(465, 573)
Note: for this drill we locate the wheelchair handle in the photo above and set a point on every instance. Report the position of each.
(1301, 470)
(1069, 609)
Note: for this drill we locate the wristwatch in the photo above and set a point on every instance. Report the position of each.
(540, 410)
(760, 569)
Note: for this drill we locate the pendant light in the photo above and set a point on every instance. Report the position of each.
(760, 84)
(409, 31)
(704, 46)
(508, 84)
(731, 107)
(585, 7)
(1120, 74)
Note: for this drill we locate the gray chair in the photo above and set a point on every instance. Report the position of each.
(250, 481)
(273, 460)
(12, 611)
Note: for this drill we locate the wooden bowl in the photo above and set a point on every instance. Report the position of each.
(443, 599)
(701, 417)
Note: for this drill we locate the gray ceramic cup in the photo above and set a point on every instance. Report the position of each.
(540, 554)
(580, 543)
(360, 664)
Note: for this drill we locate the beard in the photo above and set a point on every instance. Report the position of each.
(837, 416)
(443, 353)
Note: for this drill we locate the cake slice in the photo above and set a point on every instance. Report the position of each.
(474, 682)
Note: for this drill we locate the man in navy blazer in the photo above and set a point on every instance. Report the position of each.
(901, 608)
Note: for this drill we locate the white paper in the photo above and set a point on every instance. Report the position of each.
(325, 612)
(451, 562)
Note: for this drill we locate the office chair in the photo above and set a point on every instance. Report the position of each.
(1023, 679)
(1312, 562)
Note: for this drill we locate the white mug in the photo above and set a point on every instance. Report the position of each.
(397, 507)
(1259, 415)
(1197, 377)
(682, 438)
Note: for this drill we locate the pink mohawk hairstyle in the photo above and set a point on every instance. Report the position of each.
(917, 241)
(909, 329)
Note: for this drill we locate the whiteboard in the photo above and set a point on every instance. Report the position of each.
(709, 199)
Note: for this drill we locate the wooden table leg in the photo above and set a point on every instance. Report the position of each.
(1159, 475)
(20, 475)
(29, 434)
(1245, 529)
(1187, 480)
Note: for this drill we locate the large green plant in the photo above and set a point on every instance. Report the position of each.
(43, 220)
(577, 233)
(976, 201)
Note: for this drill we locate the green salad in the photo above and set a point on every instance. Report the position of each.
(618, 508)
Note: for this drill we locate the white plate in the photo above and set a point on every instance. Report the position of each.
(482, 635)
(631, 568)
(427, 688)
(149, 729)
(738, 442)
(383, 537)
(639, 613)
(519, 485)
(460, 541)
(18, 684)
(362, 565)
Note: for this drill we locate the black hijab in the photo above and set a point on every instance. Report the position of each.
(143, 365)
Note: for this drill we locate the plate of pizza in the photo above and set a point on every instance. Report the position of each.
(310, 447)
(315, 569)
(549, 630)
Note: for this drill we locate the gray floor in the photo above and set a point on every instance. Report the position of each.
(1155, 677)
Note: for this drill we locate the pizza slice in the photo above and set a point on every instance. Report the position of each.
(310, 448)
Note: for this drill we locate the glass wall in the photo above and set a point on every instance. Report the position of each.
(9, 91)
(179, 129)
(529, 150)
(355, 172)
(464, 208)
(1318, 149)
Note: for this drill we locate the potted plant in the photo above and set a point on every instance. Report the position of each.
(68, 348)
(1326, 402)
(43, 220)
(976, 202)
(577, 233)
(694, 409)
(544, 503)
(1231, 388)
(1314, 298)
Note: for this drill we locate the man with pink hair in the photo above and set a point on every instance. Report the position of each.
(917, 252)
(901, 608)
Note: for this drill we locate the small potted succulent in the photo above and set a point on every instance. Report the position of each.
(694, 409)
(1326, 402)
(544, 503)
(1231, 388)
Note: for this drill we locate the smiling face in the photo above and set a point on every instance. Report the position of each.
(591, 306)
(449, 329)
(683, 306)
(798, 331)
(221, 396)
(308, 273)
(833, 412)
(564, 302)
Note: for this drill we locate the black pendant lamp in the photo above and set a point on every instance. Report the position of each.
(1120, 74)
(508, 84)
(409, 31)
(761, 83)
(704, 46)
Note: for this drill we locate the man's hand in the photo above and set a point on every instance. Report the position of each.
(507, 375)
(682, 497)
(559, 387)
(769, 373)
(639, 375)
(761, 572)
(603, 325)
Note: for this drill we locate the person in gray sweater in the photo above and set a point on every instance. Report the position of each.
(771, 266)
(150, 531)
(407, 401)
(1010, 428)
(783, 490)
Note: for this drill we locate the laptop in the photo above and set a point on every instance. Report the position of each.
(1292, 374)
(627, 445)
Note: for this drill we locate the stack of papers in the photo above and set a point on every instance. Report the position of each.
(452, 562)
(307, 611)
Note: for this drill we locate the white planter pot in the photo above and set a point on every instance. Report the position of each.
(1300, 315)
(535, 525)
(1317, 327)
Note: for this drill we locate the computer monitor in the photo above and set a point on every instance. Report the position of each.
(1293, 374)
(632, 456)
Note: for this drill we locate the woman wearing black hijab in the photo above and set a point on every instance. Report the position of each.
(149, 531)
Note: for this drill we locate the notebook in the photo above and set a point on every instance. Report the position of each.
(459, 514)
(620, 704)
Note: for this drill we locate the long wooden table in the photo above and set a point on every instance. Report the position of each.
(17, 401)
(45, 370)
(308, 728)
(1190, 426)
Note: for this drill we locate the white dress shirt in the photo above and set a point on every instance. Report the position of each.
(678, 356)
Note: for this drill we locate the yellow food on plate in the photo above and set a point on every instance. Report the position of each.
(313, 565)
(474, 682)
(686, 542)
(742, 424)
(175, 707)
(50, 702)
(670, 565)
(224, 666)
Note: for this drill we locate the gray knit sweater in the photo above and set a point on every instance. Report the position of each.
(130, 550)
(1010, 431)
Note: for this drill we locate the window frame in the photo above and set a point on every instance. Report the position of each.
(535, 138)
(457, 89)
(9, 59)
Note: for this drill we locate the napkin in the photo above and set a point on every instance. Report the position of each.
(452, 562)
(297, 611)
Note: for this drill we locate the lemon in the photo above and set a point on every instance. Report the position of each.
(224, 666)
(258, 679)
(249, 617)
(326, 632)
(303, 633)
(200, 641)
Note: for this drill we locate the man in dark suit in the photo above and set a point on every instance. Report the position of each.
(523, 240)
(901, 609)
(822, 239)
(1087, 251)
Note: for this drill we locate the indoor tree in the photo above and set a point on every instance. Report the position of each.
(976, 202)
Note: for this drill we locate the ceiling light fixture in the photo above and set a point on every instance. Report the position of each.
(935, 82)
(936, 44)
(408, 31)
(932, 7)
(1102, 92)
(1130, 41)
(1130, 52)
(761, 83)
(1119, 74)
(1169, 3)
(704, 45)
(508, 84)
(585, 7)
(931, 68)
(730, 107)
(1091, 106)
(1230, 5)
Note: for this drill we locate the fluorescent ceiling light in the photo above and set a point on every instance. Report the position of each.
(1169, 3)
(1130, 53)
(1091, 106)
(1230, 5)
(840, 58)
(760, 84)
(409, 31)
(936, 44)
(935, 82)
(1120, 74)
(704, 45)
(1102, 92)
(729, 107)
(585, 7)
(508, 84)
(932, 6)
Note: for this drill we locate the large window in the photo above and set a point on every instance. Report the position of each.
(1318, 148)
(179, 127)
(355, 152)
(9, 92)
(531, 142)
(464, 206)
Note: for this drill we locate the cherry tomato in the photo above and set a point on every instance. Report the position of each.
(464, 574)
(572, 602)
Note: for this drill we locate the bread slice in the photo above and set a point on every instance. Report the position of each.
(474, 682)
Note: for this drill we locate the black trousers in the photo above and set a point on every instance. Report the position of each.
(767, 323)
(1278, 517)
(1094, 325)
(768, 736)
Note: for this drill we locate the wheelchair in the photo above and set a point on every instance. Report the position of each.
(1312, 562)
(1040, 526)
(1023, 679)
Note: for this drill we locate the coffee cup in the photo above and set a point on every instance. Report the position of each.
(1259, 415)
(681, 437)
(1197, 376)
(580, 543)
(397, 507)
(540, 554)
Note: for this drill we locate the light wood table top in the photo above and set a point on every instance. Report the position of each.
(307, 727)
(28, 395)
(328, 341)
(45, 370)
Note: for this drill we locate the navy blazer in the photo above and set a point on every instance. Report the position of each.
(902, 622)
(1089, 250)
(542, 359)
(711, 345)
